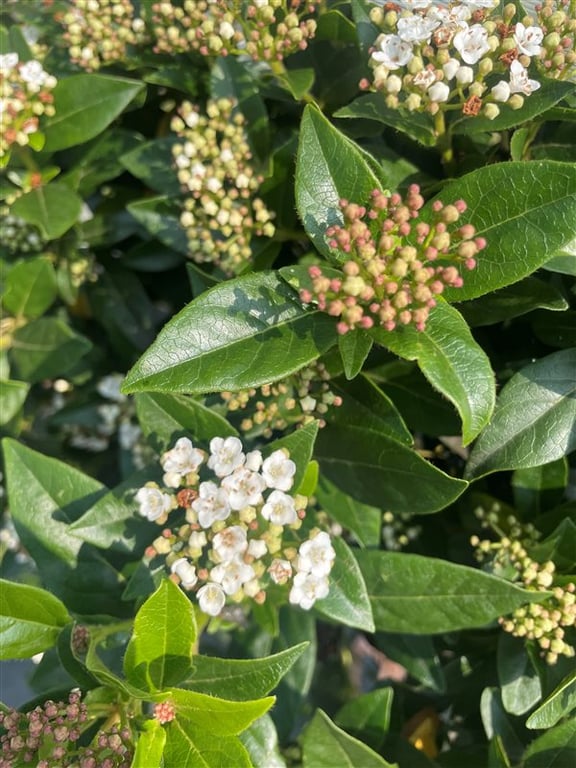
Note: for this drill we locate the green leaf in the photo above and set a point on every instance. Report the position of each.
(160, 218)
(329, 167)
(325, 745)
(354, 348)
(555, 749)
(164, 417)
(85, 105)
(46, 496)
(534, 419)
(560, 703)
(363, 521)
(381, 472)
(424, 595)
(242, 333)
(189, 747)
(30, 287)
(333, 25)
(300, 445)
(539, 488)
(372, 107)
(261, 742)
(368, 716)
(452, 361)
(149, 746)
(12, 397)
(347, 602)
(526, 213)
(160, 650)
(218, 716)
(239, 679)
(519, 682)
(153, 164)
(366, 31)
(46, 347)
(298, 81)
(555, 331)
(53, 209)
(418, 655)
(30, 620)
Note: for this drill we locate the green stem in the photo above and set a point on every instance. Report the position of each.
(444, 140)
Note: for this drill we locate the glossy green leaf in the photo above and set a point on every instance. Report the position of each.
(153, 164)
(424, 595)
(328, 167)
(534, 419)
(53, 209)
(354, 348)
(190, 747)
(347, 602)
(261, 743)
(45, 348)
(526, 213)
(240, 679)
(164, 417)
(30, 287)
(71, 570)
(554, 749)
(418, 655)
(519, 681)
(539, 488)
(160, 218)
(366, 31)
(559, 546)
(218, 716)
(160, 650)
(453, 363)
(333, 25)
(86, 105)
(325, 746)
(12, 397)
(560, 703)
(242, 333)
(368, 716)
(94, 664)
(30, 620)
(149, 746)
(497, 722)
(298, 81)
(363, 521)
(372, 106)
(555, 330)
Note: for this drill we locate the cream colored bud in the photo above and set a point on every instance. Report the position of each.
(485, 67)
(415, 65)
(393, 84)
(491, 111)
(516, 101)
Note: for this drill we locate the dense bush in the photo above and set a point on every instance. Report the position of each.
(287, 385)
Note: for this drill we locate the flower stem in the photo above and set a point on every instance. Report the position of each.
(443, 139)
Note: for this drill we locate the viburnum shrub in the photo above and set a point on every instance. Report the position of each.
(287, 372)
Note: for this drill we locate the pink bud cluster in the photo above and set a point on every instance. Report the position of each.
(558, 56)
(396, 264)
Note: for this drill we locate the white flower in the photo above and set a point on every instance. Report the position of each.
(280, 571)
(279, 509)
(278, 471)
(253, 461)
(185, 571)
(392, 52)
(481, 3)
(128, 435)
(307, 589)
(472, 43)
(211, 505)
(528, 39)
(260, 3)
(153, 503)
(244, 488)
(232, 574)
(225, 455)
(424, 79)
(230, 542)
(211, 598)
(416, 29)
(501, 91)
(109, 386)
(197, 542)
(464, 75)
(439, 92)
(33, 74)
(8, 61)
(316, 555)
(226, 30)
(450, 68)
(519, 81)
(257, 548)
(179, 461)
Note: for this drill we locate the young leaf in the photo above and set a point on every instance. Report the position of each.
(534, 419)
(242, 333)
(368, 716)
(354, 348)
(261, 742)
(424, 595)
(217, 716)
(190, 747)
(452, 361)
(53, 209)
(239, 679)
(150, 745)
(347, 602)
(30, 620)
(85, 106)
(30, 287)
(560, 703)
(325, 745)
(160, 650)
(372, 106)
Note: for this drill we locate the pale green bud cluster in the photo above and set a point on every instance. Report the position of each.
(558, 56)
(398, 530)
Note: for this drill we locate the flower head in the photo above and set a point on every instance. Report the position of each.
(519, 80)
(225, 455)
(528, 39)
(472, 43)
(392, 51)
(153, 503)
(278, 471)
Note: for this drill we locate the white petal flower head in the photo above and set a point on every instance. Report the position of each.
(519, 80)
(244, 488)
(316, 555)
(232, 574)
(226, 30)
(472, 43)
(153, 503)
(33, 75)
(501, 91)
(278, 471)
(392, 52)
(280, 571)
(253, 461)
(257, 548)
(225, 455)
(211, 599)
(528, 39)
(307, 589)
(185, 571)
(230, 542)
(279, 509)
(180, 461)
(416, 29)
(211, 505)
(197, 541)
(450, 68)
(7, 62)
(439, 92)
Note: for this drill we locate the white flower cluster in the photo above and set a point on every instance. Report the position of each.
(433, 57)
(235, 534)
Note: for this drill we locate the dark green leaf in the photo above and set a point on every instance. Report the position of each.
(261, 742)
(160, 218)
(300, 445)
(298, 81)
(555, 749)
(46, 347)
(368, 716)
(519, 681)
(333, 25)
(417, 654)
(152, 163)
(556, 330)
(560, 703)
(363, 521)
(12, 397)
(365, 30)
(539, 488)
(53, 209)
(372, 107)
(354, 348)
(30, 287)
